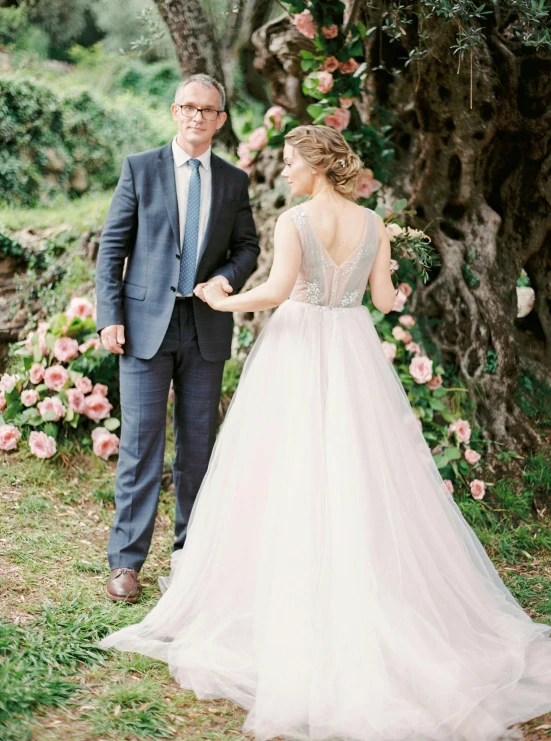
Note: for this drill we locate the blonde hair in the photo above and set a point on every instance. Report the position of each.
(327, 151)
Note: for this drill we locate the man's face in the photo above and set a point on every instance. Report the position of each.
(196, 130)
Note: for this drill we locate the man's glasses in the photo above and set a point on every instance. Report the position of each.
(189, 111)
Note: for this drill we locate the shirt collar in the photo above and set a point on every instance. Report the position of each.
(181, 156)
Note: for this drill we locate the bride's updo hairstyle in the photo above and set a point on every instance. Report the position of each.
(327, 151)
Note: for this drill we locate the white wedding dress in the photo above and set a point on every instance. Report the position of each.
(329, 583)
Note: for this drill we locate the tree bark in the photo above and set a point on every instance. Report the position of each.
(196, 48)
(480, 176)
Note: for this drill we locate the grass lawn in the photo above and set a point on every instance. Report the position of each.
(54, 681)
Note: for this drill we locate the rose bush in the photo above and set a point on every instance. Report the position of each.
(456, 446)
(65, 383)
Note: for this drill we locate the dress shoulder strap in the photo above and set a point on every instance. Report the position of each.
(299, 216)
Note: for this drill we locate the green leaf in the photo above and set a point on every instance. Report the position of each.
(49, 416)
(400, 205)
(452, 454)
(356, 50)
(69, 414)
(377, 316)
(307, 64)
(111, 423)
(438, 405)
(362, 30)
(315, 110)
(448, 416)
(37, 353)
(441, 461)
(51, 429)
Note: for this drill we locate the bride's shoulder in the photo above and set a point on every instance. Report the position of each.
(295, 215)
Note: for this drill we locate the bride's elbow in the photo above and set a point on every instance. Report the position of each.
(385, 306)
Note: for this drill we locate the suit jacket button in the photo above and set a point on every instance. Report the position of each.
(172, 288)
(177, 257)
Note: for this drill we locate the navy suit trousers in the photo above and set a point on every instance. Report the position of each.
(144, 387)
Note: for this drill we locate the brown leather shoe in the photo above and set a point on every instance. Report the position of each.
(123, 585)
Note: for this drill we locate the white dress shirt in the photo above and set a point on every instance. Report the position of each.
(182, 173)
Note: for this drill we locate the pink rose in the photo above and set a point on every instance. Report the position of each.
(65, 349)
(421, 369)
(477, 489)
(76, 400)
(346, 102)
(100, 388)
(3, 402)
(414, 348)
(305, 24)
(349, 66)
(94, 342)
(330, 65)
(407, 320)
(97, 407)
(393, 231)
(462, 429)
(367, 184)
(29, 397)
(449, 486)
(258, 139)
(389, 349)
(84, 385)
(406, 288)
(393, 266)
(7, 382)
(273, 117)
(36, 373)
(338, 120)
(325, 81)
(471, 456)
(434, 383)
(397, 332)
(399, 301)
(330, 32)
(55, 377)
(79, 307)
(244, 154)
(9, 435)
(51, 404)
(42, 445)
(105, 443)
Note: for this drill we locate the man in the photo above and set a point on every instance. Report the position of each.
(180, 218)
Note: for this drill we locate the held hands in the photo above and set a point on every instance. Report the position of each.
(215, 292)
(112, 338)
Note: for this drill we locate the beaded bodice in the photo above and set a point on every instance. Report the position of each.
(323, 283)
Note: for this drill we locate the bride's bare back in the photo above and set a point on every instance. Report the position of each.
(339, 228)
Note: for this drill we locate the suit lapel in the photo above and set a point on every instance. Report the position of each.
(165, 168)
(217, 196)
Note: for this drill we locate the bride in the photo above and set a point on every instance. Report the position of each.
(329, 584)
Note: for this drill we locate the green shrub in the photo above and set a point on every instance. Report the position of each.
(50, 144)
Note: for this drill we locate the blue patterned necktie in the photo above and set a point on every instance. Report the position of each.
(188, 263)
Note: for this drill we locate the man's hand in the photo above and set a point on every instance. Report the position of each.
(200, 287)
(112, 338)
(215, 295)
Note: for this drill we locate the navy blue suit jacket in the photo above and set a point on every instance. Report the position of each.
(142, 225)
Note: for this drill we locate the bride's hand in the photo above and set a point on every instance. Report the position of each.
(215, 295)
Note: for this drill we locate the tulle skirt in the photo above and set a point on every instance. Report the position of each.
(329, 584)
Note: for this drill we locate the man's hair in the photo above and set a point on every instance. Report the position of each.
(206, 80)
